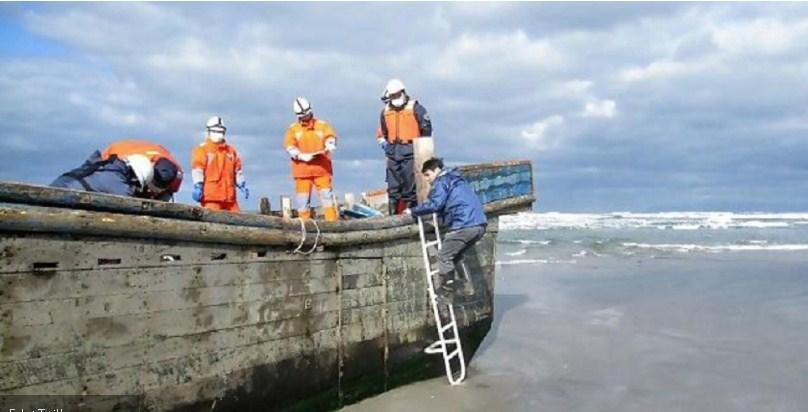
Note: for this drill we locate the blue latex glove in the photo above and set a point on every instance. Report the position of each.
(244, 190)
(383, 143)
(198, 191)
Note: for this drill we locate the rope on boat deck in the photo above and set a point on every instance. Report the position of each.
(303, 237)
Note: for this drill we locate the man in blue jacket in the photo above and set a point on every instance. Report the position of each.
(455, 202)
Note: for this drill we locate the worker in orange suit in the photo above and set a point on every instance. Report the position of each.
(136, 168)
(216, 170)
(310, 143)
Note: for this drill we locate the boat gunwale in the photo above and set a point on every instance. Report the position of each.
(37, 195)
(15, 218)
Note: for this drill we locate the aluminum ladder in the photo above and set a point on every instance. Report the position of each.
(448, 343)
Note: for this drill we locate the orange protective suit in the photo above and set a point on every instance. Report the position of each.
(153, 151)
(312, 137)
(218, 167)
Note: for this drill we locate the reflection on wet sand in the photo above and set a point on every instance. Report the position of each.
(697, 333)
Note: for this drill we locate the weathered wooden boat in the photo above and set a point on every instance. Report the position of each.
(188, 309)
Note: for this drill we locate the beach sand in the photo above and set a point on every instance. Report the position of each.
(701, 332)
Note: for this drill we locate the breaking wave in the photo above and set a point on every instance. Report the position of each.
(664, 221)
(533, 261)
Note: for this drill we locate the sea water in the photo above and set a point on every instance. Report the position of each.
(701, 311)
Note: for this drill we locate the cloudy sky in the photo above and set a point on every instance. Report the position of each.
(626, 106)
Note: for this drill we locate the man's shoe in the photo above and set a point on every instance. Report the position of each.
(447, 288)
(444, 299)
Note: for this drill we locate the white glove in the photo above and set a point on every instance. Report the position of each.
(306, 157)
(330, 145)
(294, 153)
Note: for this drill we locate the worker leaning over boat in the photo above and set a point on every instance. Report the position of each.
(310, 143)
(216, 170)
(453, 199)
(402, 121)
(136, 168)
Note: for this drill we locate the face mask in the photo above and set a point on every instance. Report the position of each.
(215, 137)
(399, 101)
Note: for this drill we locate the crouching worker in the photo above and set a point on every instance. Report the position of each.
(135, 168)
(455, 202)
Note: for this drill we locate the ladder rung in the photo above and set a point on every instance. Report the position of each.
(434, 272)
(435, 347)
(453, 354)
(432, 243)
(447, 327)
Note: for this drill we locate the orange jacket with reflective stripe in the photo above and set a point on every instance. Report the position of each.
(216, 165)
(153, 151)
(310, 139)
(402, 125)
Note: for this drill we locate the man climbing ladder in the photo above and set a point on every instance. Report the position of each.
(453, 199)
(455, 202)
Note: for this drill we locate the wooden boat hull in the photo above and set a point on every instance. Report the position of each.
(186, 314)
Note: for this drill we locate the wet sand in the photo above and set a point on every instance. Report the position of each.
(724, 332)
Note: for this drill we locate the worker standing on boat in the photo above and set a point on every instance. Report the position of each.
(453, 199)
(402, 120)
(216, 170)
(136, 168)
(310, 143)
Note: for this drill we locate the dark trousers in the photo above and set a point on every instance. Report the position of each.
(400, 175)
(455, 244)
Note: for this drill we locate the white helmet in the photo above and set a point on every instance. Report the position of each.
(301, 107)
(216, 124)
(142, 167)
(393, 86)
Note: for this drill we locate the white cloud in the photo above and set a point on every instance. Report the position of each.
(600, 108)
(660, 69)
(759, 36)
(472, 55)
(545, 133)
(497, 72)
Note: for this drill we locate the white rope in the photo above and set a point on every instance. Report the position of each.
(303, 238)
(316, 239)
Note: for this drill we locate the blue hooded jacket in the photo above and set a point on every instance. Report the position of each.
(454, 201)
(112, 176)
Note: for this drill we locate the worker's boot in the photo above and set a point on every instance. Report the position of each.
(330, 214)
(391, 207)
(304, 214)
(445, 292)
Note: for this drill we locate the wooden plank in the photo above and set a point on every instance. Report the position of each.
(23, 342)
(423, 150)
(356, 298)
(61, 311)
(277, 279)
(20, 253)
(265, 208)
(74, 199)
(286, 207)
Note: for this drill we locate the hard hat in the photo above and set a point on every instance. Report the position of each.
(215, 123)
(142, 167)
(301, 107)
(393, 86)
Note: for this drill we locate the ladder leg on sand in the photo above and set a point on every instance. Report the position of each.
(448, 343)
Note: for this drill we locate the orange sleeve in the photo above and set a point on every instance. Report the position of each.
(289, 140)
(237, 166)
(198, 158)
(329, 132)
